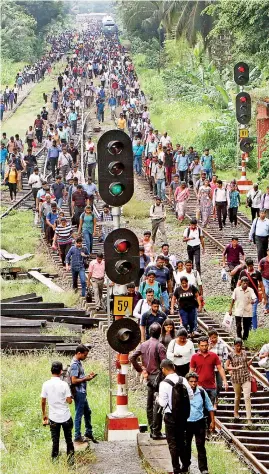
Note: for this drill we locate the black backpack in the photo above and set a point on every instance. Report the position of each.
(181, 407)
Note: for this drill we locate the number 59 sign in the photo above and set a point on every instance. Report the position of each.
(123, 305)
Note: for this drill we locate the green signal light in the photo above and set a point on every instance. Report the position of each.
(116, 189)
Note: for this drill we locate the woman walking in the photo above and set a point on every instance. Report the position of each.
(87, 226)
(188, 300)
(238, 366)
(63, 236)
(11, 179)
(180, 351)
(205, 202)
(168, 332)
(148, 244)
(30, 136)
(182, 195)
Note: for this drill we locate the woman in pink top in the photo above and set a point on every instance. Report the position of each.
(182, 195)
(148, 245)
(213, 185)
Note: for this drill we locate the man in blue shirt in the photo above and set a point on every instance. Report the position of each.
(112, 102)
(53, 155)
(207, 163)
(79, 387)
(150, 317)
(73, 119)
(138, 150)
(163, 277)
(3, 159)
(196, 423)
(91, 189)
(100, 110)
(182, 164)
(75, 262)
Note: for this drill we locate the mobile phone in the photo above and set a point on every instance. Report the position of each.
(94, 376)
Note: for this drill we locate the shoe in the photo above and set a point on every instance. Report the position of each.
(184, 470)
(81, 440)
(157, 437)
(91, 438)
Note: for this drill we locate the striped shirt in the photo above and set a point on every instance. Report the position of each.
(64, 234)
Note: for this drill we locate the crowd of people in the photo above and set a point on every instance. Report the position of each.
(100, 73)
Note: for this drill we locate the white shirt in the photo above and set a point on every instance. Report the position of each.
(174, 350)
(89, 145)
(193, 277)
(35, 181)
(172, 259)
(220, 195)
(165, 140)
(165, 392)
(193, 233)
(141, 307)
(256, 197)
(56, 391)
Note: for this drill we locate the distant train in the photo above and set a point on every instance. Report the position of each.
(109, 26)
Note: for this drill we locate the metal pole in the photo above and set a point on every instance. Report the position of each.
(116, 212)
(109, 348)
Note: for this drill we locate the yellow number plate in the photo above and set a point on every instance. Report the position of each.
(243, 133)
(123, 305)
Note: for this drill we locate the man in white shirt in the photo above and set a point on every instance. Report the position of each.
(172, 258)
(35, 182)
(193, 235)
(144, 305)
(165, 139)
(221, 200)
(174, 428)
(57, 393)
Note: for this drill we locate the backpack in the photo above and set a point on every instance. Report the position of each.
(189, 230)
(66, 377)
(155, 206)
(181, 407)
(206, 412)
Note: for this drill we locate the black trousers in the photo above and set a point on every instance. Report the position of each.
(182, 370)
(63, 250)
(154, 415)
(183, 176)
(233, 215)
(221, 213)
(195, 253)
(262, 246)
(35, 191)
(197, 429)
(255, 212)
(39, 134)
(175, 435)
(234, 278)
(12, 189)
(246, 326)
(53, 163)
(55, 429)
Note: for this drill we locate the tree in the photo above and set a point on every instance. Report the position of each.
(44, 12)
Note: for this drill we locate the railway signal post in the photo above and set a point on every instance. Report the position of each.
(121, 249)
(243, 116)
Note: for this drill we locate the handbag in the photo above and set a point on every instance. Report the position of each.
(227, 321)
(89, 295)
(254, 385)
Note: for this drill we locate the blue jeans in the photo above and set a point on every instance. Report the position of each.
(81, 274)
(254, 314)
(88, 240)
(138, 164)
(82, 408)
(161, 188)
(188, 318)
(267, 374)
(59, 202)
(2, 170)
(212, 393)
(266, 287)
(165, 299)
(209, 173)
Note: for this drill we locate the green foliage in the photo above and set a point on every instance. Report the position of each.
(246, 22)
(264, 169)
(218, 304)
(258, 338)
(8, 71)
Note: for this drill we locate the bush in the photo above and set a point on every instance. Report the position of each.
(258, 338)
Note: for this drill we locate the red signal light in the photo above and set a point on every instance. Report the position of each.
(241, 69)
(122, 246)
(243, 99)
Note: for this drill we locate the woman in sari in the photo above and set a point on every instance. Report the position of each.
(182, 195)
(205, 202)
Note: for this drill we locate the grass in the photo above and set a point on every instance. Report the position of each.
(136, 209)
(27, 441)
(26, 113)
(9, 70)
(219, 304)
(221, 460)
(258, 338)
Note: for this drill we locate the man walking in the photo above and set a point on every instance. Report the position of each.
(162, 275)
(232, 253)
(58, 395)
(79, 383)
(243, 298)
(264, 269)
(193, 235)
(204, 363)
(96, 277)
(152, 352)
(221, 200)
(196, 425)
(153, 315)
(75, 262)
(158, 215)
(138, 151)
(259, 234)
(175, 387)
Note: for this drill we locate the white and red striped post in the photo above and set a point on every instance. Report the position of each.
(244, 185)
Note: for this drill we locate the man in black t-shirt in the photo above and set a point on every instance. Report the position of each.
(168, 163)
(255, 282)
(73, 151)
(188, 300)
(58, 189)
